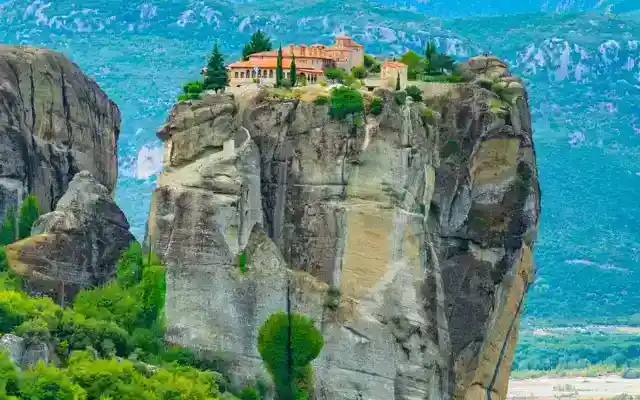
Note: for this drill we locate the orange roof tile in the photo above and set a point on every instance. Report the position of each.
(287, 53)
(271, 64)
(393, 64)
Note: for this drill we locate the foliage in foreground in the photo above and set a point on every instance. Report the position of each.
(287, 345)
(86, 377)
(17, 227)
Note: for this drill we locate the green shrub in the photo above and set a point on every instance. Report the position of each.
(242, 262)
(334, 74)
(345, 102)
(293, 380)
(429, 115)
(323, 83)
(129, 266)
(443, 78)
(193, 87)
(359, 72)
(49, 383)
(321, 100)
(249, 393)
(29, 213)
(34, 331)
(400, 97)
(9, 377)
(110, 303)
(375, 107)
(414, 92)
(8, 233)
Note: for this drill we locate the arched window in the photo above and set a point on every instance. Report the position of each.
(270, 73)
(242, 75)
(253, 73)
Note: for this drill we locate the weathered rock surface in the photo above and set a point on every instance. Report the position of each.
(54, 122)
(75, 246)
(14, 346)
(408, 241)
(23, 355)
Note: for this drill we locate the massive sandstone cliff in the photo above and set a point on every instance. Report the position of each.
(408, 241)
(54, 122)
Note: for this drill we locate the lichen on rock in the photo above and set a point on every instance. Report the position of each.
(407, 241)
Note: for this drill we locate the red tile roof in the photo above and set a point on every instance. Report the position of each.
(286, 52)
(271, 64)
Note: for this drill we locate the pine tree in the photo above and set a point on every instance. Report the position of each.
(29, 213)
(398, 81)
(216, 77)
(279, 72)
(259, 42)
(292, 71)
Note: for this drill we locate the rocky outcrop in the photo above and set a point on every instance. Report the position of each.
(407, 238)
(75, 246)
(54, 122)
(22, 354)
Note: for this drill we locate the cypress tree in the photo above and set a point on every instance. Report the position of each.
(8, 229)
(398, 81)
(279, 72)
(216, 77)
(292, 71)
(29, 213)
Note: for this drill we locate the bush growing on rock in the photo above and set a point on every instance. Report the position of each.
(8, 232)
(29, 213)
(414, 92)
(345, 102)
(375, 107)
(287, 344)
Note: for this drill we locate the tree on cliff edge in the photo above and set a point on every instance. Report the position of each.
(259, 42)
(279, 72)
(216, 77)
(292, 71)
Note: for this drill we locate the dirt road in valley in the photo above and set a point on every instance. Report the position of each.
(569, 388)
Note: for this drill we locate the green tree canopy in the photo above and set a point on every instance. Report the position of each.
(359, 72)
(414, 62)
(293, 75)
(334, 74)
(216, 77)
(258, 42)
(8, 231)
(29, 213)
(345, 102)
(437, 63)
(287, 344)
(279, 70)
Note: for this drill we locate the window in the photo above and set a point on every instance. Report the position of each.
(242, 75)
(236, 74)
(270, 73)
(253, 73)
